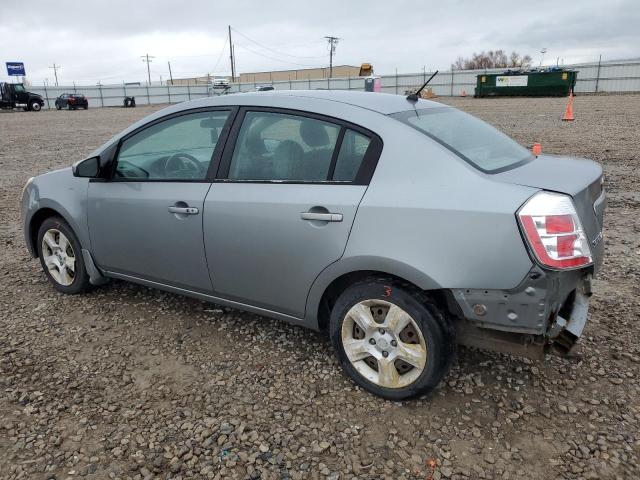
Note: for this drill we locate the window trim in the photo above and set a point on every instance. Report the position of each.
(365, 172)
(215, 155)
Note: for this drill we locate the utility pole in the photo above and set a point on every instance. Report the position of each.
(147, 59)
(543, 51)
(231, 58)
(333, 41)
(170, 75)
(235, 69)
(55, 71)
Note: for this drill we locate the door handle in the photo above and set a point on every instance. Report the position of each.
(321, 217)
(184, 210)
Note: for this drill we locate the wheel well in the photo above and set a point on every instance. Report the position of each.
(37, 219)
(443, 297)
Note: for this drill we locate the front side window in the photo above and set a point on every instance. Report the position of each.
(283, 147)
(19, 88)
(475, 141)
(179, 148)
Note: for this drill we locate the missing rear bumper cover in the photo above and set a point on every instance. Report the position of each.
(569, 324)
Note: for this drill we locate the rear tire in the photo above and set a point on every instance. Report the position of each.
(399, 343)
(61, 257)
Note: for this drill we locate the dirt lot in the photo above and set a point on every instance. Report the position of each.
(128, 382)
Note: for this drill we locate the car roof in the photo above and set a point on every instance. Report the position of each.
(383, 103)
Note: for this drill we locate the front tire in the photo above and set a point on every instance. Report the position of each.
(61, 257)
(391, 339)
(58, 107)
(35, 107)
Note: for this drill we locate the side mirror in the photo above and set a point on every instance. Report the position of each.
(89, 168)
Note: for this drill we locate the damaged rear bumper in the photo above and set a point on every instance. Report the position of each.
(566, 327)
(547, 311)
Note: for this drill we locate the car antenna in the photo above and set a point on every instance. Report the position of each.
(415, 96)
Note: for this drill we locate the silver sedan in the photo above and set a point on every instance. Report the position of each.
(401, 227)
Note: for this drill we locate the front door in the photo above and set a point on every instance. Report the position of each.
(146, 221)
(284, 209)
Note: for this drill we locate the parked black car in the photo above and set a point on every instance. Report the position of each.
(14, 95)
(72, 101)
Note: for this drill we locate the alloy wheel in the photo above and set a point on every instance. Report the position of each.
(384, 343)
(59, 257)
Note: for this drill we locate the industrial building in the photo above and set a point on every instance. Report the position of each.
(339, 71)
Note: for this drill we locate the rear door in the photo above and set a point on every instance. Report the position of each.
(146, 221)
(283, 205)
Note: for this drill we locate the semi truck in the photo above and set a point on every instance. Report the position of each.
(14, 95)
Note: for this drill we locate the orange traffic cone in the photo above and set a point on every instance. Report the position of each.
(536, 149)
(568, 112)
(463, 93)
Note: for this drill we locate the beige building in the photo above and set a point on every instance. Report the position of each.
(303, 74)
(339, 71)
(204, 80)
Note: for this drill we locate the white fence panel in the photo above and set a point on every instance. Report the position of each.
(616, 77)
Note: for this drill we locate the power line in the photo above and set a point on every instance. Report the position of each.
(275, 59)
(220, 56)
(274, 50)
(147, 59)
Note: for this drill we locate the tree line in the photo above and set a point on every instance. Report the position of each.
(492, 59)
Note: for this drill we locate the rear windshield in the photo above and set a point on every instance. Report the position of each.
(470, 138)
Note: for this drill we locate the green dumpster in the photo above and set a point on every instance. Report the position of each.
(555, 82)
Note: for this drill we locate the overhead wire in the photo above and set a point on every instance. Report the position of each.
(221, 53)
(274, 50)
(244, 47)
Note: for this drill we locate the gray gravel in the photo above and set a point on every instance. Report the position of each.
(128, 382)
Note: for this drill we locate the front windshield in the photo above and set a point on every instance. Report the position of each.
(473, 140)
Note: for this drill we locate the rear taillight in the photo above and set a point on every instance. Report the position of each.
(554, 232)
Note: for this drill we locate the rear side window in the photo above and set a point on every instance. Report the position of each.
(352, 152)
(283, 147)
(475, 141)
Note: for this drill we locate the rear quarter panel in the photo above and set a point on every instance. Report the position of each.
(427, 208)
(431, 218)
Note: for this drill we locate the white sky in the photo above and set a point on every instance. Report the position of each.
(103, 40)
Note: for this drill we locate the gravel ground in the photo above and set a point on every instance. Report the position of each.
(129, 382)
